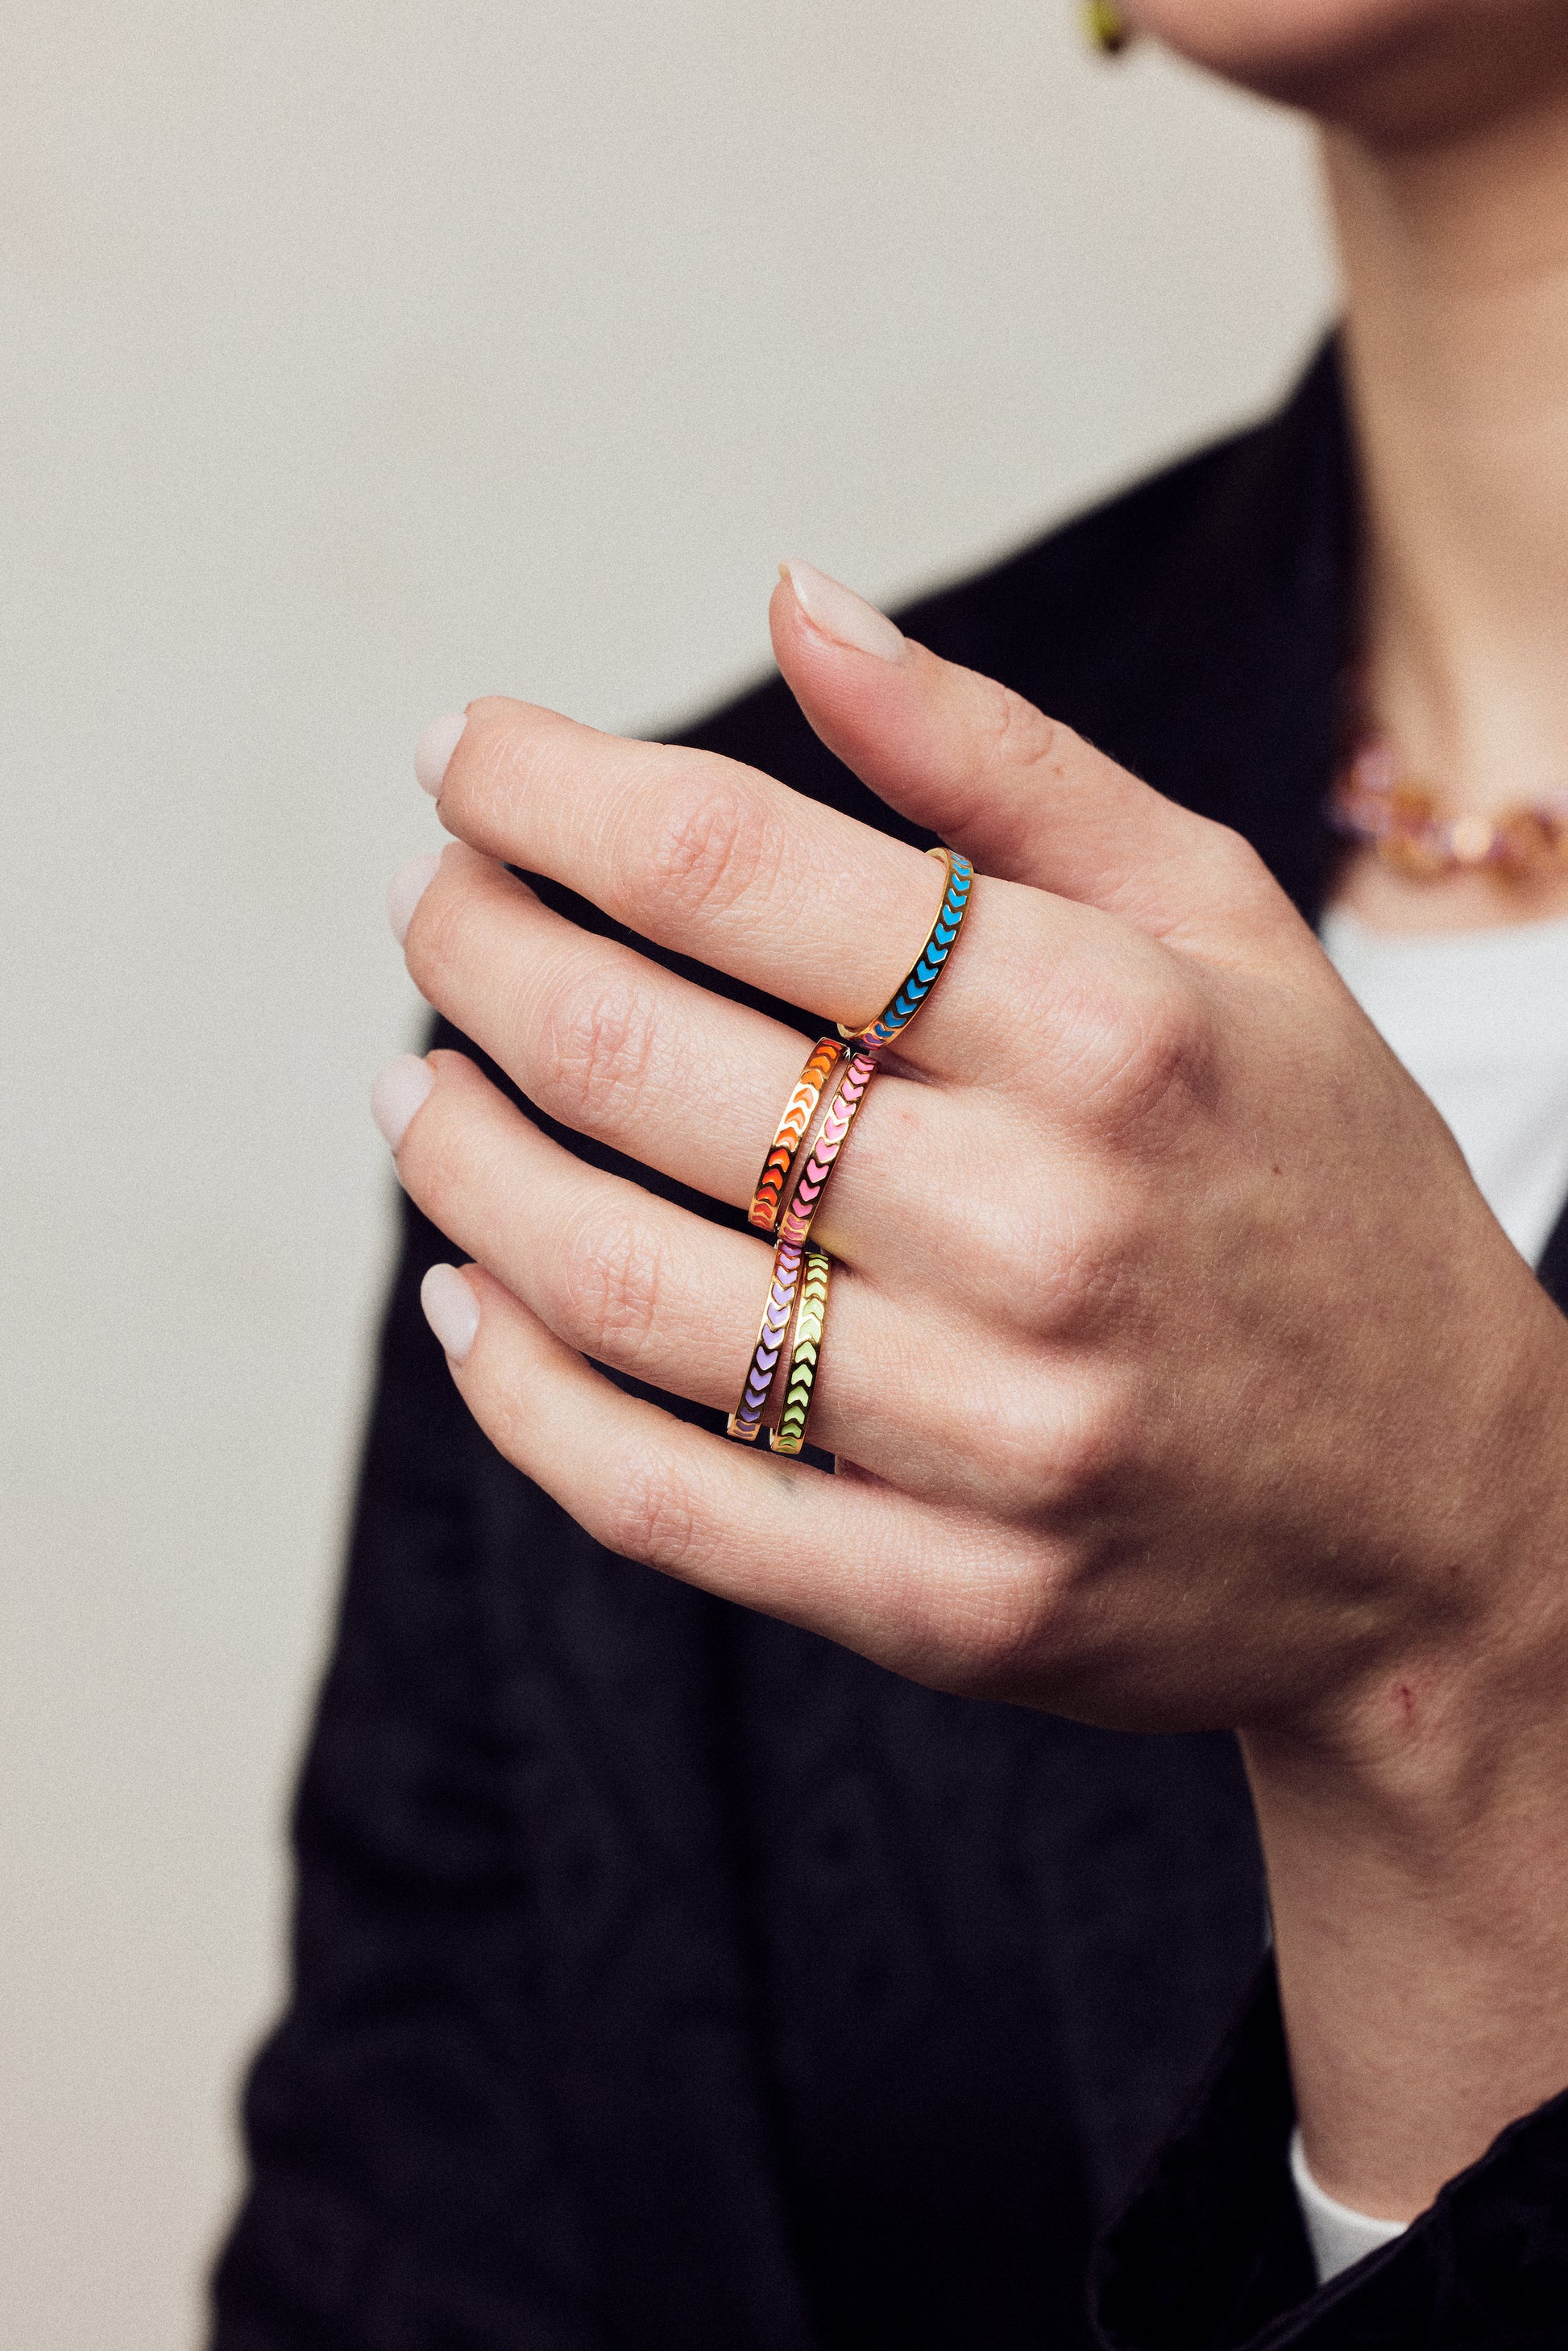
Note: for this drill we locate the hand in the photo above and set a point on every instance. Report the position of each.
(1176, 1372)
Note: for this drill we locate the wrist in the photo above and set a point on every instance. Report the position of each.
(1412, 1829)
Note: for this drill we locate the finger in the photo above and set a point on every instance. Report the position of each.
(928, 1591)
(1020, 793)
(724, 864)
(616, 1047)
(645, 1287)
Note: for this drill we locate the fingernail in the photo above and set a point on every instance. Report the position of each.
(402, 1088)
(451, 1310)
(841, 614)
(406, 888)
(432, 752)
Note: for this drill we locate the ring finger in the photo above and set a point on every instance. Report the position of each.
(641, 1285)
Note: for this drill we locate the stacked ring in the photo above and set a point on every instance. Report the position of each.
(763, 1212)
(911, 993)
(806, 1345)
(796, 1304)
(860, 1069)
(747, 1417)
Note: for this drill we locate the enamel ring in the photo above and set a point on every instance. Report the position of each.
(804, 1347)
(902, 1006)
(768, 1197)
(747, 1417)
(860, 1069)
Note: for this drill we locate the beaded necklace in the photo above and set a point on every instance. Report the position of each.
(1372, 800)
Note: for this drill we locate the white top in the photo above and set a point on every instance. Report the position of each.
(1337, 2235)
(1479, 1018)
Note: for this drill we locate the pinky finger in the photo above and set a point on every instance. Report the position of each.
(854, 1560)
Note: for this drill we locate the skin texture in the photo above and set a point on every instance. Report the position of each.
(1248, 1414)
(1137, 1008)
(1397, 71)
(1179, 1375)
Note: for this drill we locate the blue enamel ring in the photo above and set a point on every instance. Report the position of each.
(896, 1014)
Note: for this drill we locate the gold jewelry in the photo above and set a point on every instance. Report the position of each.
(804, 1348)
(1373, 800)
(807, 1198)
(768, 1197)
(757, 1387)
(913, 989)
(1105, 28)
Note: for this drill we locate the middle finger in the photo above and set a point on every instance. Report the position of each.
(675, 1078)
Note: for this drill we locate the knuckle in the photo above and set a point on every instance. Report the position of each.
(649, 1513)
(609, 1279)
(1015, 733)
(1050, 1257)
(1233, 860)
(1063, 1458)
(1228, 873)
(1081, 1268)
(995, 1646)
(599, 1038)
(1154, 1061)
(1089, 1452)
(706, 850)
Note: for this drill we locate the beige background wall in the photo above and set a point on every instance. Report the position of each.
(355, 359)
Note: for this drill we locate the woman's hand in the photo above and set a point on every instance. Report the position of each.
(1178, 1374)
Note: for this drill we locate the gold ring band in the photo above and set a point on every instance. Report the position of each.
(768, 1199)
(796, 1305)
(804, 1351)
(929, 964)
(806, 1199)
(757, 1387)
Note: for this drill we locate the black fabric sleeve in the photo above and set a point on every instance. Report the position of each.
(1211, 2255)
(384, 2086)
(515, 2099)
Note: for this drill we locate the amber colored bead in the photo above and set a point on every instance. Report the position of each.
(1528, 842)
(1403, 822)
(1410, 808)
(1418, 854)
(1473, 839)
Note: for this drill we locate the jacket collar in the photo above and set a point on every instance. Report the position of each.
(1221, 683)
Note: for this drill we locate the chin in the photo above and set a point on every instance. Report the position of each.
(1395, 65)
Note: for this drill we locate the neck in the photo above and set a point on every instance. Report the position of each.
(1456, 262)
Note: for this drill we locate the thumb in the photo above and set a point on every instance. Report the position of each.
(1020, 794)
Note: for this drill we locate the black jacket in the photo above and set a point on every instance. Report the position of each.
(666, 1977)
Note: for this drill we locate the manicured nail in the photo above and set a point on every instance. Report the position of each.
(841, 614)
(451, 1310)
(432, 752)
(403, 1086)
(406, 888)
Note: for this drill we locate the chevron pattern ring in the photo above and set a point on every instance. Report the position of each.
(747, 1417)
(804, 1200)
(900, 1010)
(798, 1288)
(766, 1200)
(806, 1345)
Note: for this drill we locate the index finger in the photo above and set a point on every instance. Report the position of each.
(723, 863)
